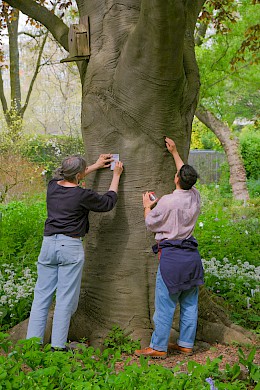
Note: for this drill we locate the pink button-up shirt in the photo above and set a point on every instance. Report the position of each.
(175, 215)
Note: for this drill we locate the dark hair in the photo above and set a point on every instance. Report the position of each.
(70, 166)
(188, 177)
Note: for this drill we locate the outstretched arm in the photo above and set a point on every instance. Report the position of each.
(103, 161)
(171, 146)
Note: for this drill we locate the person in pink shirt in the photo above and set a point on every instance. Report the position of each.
(172, 218)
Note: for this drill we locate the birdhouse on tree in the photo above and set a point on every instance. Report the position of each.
(78, 41)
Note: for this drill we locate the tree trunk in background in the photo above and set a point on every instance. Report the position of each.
(12, 27)
(230, 145)
(12, 114)
(15, 112)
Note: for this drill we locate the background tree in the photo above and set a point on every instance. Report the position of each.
(228, 66)
(140, 83)
(14, 112)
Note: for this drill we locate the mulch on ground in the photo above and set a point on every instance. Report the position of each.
(229, 355)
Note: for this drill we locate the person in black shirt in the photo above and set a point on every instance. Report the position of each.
(61, 259)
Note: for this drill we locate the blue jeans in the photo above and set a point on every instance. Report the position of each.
(165, 305)
(60, 265)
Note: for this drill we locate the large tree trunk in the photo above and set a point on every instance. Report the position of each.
(141, 83)
(230, 145)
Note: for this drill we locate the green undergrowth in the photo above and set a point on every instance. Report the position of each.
(228, 228)
(27, 366)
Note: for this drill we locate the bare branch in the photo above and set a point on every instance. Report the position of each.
(40, 13)
(34, 36)
(36, 71)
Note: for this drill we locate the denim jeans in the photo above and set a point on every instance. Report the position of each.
(60, 265)
(165, 305)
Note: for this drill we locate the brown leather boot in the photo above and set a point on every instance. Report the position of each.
(149, 352)
(176, 348)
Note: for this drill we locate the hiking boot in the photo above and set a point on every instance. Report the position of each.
(178, 349)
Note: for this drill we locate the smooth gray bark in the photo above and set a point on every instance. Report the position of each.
(136, 90)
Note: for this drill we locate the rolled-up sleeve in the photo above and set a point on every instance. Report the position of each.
(157, 217)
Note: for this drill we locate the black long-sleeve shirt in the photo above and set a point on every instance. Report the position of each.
(68, 208)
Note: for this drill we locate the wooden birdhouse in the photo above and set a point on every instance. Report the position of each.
(78, 41)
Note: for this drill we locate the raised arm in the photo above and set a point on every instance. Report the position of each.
(171, 146)
(103, 161)
(116, 176)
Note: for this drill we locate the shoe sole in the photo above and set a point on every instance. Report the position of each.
(153, 357)
(158, 357)
(175, 351)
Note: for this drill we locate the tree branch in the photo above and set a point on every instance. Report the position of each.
(36, 71)
(208, 119)
(201, 33)
(40, 13)
(34, 36)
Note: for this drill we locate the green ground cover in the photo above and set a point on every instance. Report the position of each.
(27, 366)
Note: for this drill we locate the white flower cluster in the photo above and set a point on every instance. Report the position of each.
(15, 286)
(226, 270)
(57, 150)
(228, 274)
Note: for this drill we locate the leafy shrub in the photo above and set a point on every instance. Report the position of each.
(19, 176)
(250, 150)
(28, 162)
(21, 235)
(224, 186)
(226, 228)
(21, 229)
(203, 138)
(253, 188)
(118, 340)
(49, 151)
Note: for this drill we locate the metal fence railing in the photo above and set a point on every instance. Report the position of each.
(207, 163)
